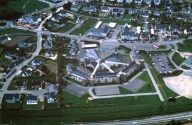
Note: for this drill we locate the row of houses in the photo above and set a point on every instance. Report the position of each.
(149, 32)
(31, 99)
(31, 20)
(110, 77)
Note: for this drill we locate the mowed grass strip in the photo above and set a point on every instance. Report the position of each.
(185, 46)
(12, 30)
(178, 59)
(84, 27)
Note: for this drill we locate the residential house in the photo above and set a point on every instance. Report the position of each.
(173, 27)
(36, 62)
(116, 11)
(148, 2)
(157, 2)
(132, 11)
(3, 39)
(127, 34)
(36, 84)
(80, 20)
(53, 24)
(12, 98)
(144, 14)
(167, 36)
(32, 99)
(175, 34)
(22, 44)
(188, 31)
(99, 32)
(30, 20)
(160, 27)
(186, 7)
(69, 67)
(128, 1)
(179, 16)
(105, 9)
(168, 14)
(20, 85)
(168, 4)
(75, 7)
(48, 44)
(90, 9)
(56, 18)
(103, 1)
(144, 37)
(10, 56)
(138, 1)
(63, 13)
(49, 53)
(53, 88)
(157, 13)
(186, 17)
(50, 98)
(27, 73)
(19, 61)
(74, 48)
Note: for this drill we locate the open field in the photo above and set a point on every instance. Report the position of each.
(12, 30)
(84, 27)
(16, 40)
(25, 6)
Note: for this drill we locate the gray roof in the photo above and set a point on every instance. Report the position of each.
(98, 31)
(103, 75)
(160, 26)
(73, 46)
(128, 68)
(135, 55)
(78, 74)
(68, 67)
(104, 8)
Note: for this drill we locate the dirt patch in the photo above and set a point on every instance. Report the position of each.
(52, 68)
(16, 40)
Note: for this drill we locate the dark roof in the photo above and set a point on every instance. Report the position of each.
(7, 71)
(78, 74)
(160, 26)
(31, 97)
(36, 83)
(3, 38)
(128, 68)
(12, 96)
(102, 75)
(175, 27)
(20, 83)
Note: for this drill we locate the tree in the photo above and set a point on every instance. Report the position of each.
(53, 10)
(44, 68)
(67, 6)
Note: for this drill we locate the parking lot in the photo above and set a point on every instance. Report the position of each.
(75, 90)
(161, 64)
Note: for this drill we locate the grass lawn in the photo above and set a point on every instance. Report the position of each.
(52, 62)
(185, 46)
(127, 16)
(4, 60)
(51, 77)
(84, 27)
(178, 59)
(185, 67)
(50, 105)
(12, 30)
(148, 87)
(124, 91)
(25, 6)
(67, 27)
(120, 22)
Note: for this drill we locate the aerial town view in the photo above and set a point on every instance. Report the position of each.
(96, 62)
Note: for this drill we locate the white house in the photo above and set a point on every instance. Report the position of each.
(129, 1)
(157, 2)
(138, 1)
(36, 62)
(49, 53)
(105, 9)
(30, 20)
(50, 98)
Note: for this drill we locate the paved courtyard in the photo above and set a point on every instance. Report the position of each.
(111, 90)
(75, 90)
(134, 85)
